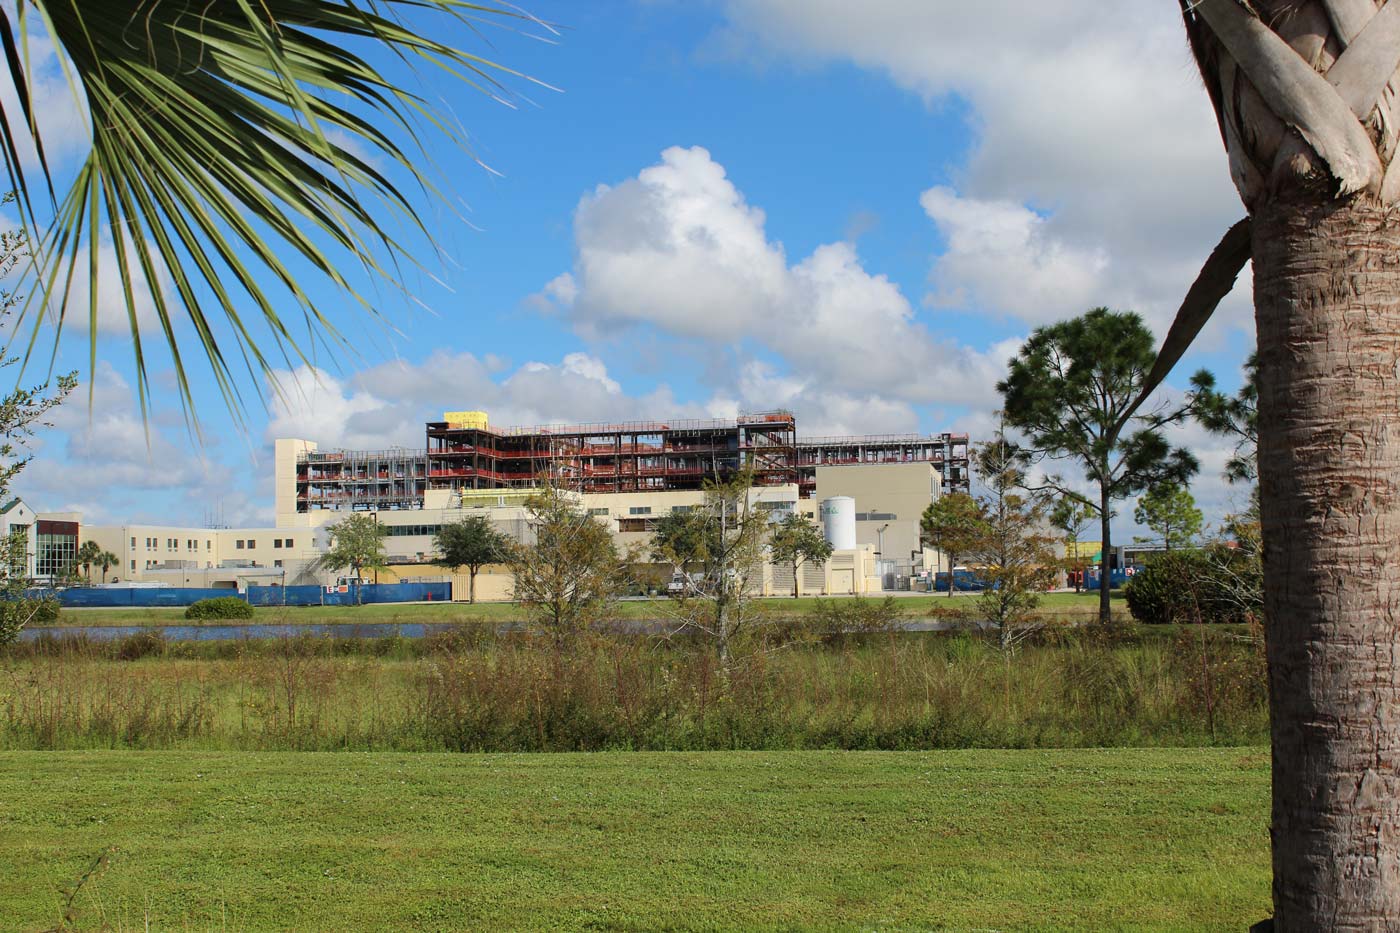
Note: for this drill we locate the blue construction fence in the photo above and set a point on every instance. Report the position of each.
(82, 597)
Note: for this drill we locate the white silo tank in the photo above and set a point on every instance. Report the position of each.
(839, 522)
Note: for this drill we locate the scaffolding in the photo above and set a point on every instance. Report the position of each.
(636, 456)
(361, 480)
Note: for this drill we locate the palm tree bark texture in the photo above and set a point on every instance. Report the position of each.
(1305, 94)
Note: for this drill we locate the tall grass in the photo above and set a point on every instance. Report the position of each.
(475, 690)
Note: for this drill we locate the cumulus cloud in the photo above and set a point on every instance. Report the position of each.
(386, 405)
(1000, 256)
(679, 248)
(107, 462)
(1096, 163)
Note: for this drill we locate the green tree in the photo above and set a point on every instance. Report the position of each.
(357, 543)
(233, 145)
(1233, 416)
(953, 524)
(796, 540)
(106, 560)
(1072, 516)
(89, 553)
(472, 543)
(22, 412)
(1169, 510)
(570, 577)
(1013, 552)
(1072, 390)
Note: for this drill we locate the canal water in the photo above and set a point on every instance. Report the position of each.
(239, 632)
(254, 630)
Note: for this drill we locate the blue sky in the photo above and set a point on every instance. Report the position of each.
(737, 204)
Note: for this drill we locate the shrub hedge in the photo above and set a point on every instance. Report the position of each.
(221, 607)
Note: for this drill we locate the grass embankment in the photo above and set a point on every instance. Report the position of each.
(475, 690)
(1010, 840)
(1059, 605)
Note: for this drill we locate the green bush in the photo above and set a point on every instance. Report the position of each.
(1213, 584)
(221, 607)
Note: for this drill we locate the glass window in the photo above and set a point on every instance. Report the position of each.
(639, 510)
(252, 543)
(238, 544)
(276, 542)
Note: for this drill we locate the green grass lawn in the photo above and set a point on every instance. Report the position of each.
(977, 840)
(912, 606)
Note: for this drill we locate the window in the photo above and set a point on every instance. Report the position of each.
(252, 543)
(602, 512)
(238, 544)
(208, 545)
(288, 543)
(639, 510)
(55, 547)
(133, 547)
(876, 517)
(776, 506)
(277, 542)
(277, 563)
(682, 509)
(133, 563)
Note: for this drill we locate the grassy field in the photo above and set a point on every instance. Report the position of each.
(976, 840)
(918, 606)
(475, 690)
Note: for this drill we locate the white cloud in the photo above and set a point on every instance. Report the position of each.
(1000, 256)
(678, 247)
(117, 468)
(386, 405)
(1089, 120)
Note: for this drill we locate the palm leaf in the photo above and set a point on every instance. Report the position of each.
(222, 155)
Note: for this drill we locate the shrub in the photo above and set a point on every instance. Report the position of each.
(1165, 590)
(144, 644)
(221, 607)
(1213, 584)
(855, 619)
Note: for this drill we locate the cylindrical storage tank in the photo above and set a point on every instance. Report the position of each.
(839, 522)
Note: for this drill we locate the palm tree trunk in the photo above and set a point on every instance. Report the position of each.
(1327, 306)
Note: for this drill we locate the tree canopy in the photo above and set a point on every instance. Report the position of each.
(795, 540)
(1233, 416)
(954, 524)
(1169, 511)
(1072, 391)
(357, 542)
(473, 543)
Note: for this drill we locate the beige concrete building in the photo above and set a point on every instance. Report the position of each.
(890, 497)
(890, 500)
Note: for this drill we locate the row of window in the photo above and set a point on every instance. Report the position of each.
(173, 544)
(409, 531)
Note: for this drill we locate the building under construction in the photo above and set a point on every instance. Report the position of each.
(463, 452)
(948, 451)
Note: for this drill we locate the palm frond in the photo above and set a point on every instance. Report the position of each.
(224, 155)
